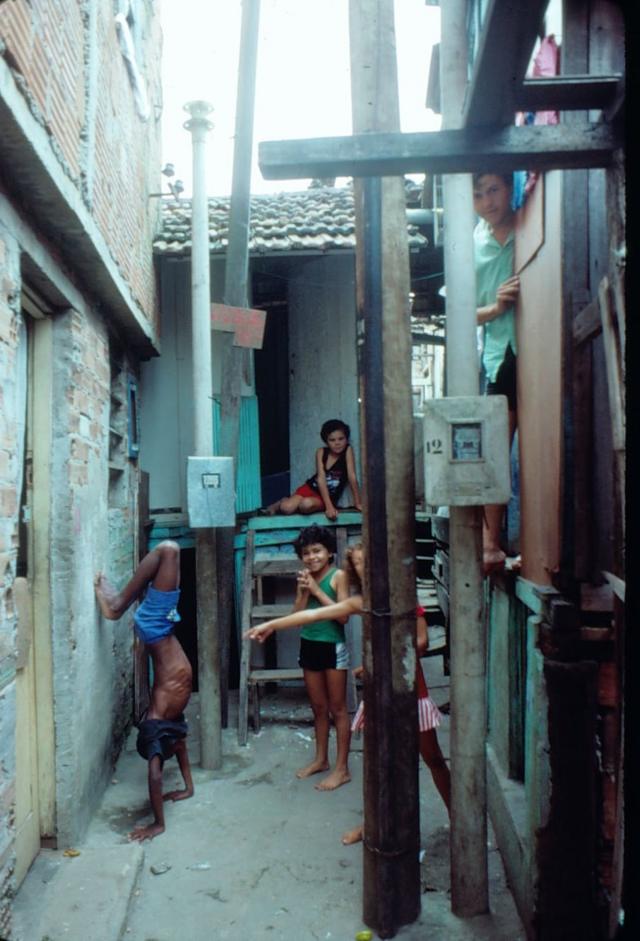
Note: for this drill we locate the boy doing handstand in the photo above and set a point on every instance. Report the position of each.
(162, 732)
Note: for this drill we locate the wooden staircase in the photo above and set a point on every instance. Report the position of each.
(260, 564)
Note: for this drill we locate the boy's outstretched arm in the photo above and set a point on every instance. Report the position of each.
(351, 605)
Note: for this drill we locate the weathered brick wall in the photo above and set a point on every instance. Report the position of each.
(66, 58)
(9, 326)
(92, 658)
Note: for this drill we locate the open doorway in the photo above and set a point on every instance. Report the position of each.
(272, 390)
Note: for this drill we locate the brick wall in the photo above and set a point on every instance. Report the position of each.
(67, 61)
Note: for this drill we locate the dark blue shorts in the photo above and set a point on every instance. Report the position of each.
(323, 655)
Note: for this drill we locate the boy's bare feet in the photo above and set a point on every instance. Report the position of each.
(107, 597)
(352, 836)
(146, 833)
(333, 780)
(314, 768)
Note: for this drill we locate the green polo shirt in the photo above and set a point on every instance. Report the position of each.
(494, 264)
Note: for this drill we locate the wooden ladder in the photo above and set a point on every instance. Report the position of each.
(253, 611)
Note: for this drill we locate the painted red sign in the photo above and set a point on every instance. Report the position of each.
(246, 324)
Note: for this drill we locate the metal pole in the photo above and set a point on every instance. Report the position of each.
(236, 294)
(208, 641)
(391, 891)
(469, 868)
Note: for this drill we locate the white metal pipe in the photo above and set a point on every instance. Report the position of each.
(206, 568)
(198, 124)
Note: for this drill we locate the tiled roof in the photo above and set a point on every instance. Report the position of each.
(318, 219)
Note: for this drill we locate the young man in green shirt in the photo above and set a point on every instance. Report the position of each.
(497, 290)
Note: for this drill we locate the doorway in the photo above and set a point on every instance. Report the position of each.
(35, 781)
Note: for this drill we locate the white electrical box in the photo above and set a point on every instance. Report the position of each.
(211, 498)
(466, 450)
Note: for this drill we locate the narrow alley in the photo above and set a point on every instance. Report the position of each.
(255, 854)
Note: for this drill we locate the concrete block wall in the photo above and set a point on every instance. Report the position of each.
(91, 528)
(67, 63)
(92, 658)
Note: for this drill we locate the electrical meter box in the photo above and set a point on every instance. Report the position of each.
(211, 498)
(466, 450)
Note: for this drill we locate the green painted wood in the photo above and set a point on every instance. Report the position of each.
(248, 491)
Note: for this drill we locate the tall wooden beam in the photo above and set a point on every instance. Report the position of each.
(391, 872)
(468, 150)
(508, 34)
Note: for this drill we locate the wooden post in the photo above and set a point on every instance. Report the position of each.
(391, 894)
(236, 294)
(469, 865)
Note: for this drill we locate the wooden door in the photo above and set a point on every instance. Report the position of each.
(27, 818)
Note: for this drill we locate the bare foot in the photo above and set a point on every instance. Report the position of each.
(334, 780)
(107, 597)
(314, 768)
(353, 836)
(493, 560)
(146, 833)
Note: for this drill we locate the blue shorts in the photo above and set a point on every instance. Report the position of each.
(157, 615)
(323, 655)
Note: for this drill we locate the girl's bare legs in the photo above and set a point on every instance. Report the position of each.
(336, 681)
(434, 760)
(296, 504)
(161, 567)
(314, 681)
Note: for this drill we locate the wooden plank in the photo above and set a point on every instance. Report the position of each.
(615, 382)
(276, 566)
(469, 150)
(568, 93)
(266, 612)
(245, 652)
(613, 364)
(582, 382)
(617, 584)
(275, 675)
(506, 41)
(587, 324)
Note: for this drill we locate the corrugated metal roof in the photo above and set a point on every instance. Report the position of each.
(319, 219)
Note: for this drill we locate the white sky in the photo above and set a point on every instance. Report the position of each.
(302, 87)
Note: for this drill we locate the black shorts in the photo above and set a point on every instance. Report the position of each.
(505, 381)
(323, 655)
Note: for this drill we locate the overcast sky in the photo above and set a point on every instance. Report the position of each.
(303, 86)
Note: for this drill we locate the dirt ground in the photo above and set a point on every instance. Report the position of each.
(255, 854)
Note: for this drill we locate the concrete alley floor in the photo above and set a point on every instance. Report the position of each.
(255, 854)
